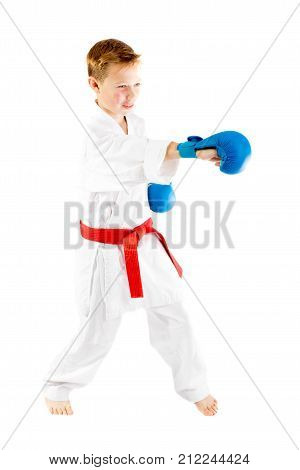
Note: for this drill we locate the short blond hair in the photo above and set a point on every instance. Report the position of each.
(109, 51)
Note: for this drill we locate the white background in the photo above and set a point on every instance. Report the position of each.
(197, 56)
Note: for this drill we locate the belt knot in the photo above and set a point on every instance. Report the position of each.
(140, 231)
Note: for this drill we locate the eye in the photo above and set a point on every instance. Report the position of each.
(121, 86)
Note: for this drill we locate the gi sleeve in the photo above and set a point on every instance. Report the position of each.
(111, 160)
(160, 171)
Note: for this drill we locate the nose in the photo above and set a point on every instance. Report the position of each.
(131, 93)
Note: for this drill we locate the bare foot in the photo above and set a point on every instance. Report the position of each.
(208, 406)
(59, 407)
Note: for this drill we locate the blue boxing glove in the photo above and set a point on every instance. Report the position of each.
(232, 147)
(161, 197)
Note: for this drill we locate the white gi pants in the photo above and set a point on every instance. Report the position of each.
(170, 333)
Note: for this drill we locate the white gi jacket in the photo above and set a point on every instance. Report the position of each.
(100, 270)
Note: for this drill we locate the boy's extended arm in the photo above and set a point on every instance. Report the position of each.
(111, 160)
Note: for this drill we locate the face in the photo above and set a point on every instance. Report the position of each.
(120, 88)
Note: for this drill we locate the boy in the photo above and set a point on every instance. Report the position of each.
(118, 163)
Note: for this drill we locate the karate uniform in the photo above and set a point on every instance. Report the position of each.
(113, 194)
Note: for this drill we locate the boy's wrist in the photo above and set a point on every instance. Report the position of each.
(172, 152)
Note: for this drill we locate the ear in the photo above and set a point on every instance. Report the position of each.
(93, 84)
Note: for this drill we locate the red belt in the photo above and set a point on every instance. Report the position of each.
(130, 239)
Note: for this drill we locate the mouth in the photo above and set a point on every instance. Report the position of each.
(127, 106)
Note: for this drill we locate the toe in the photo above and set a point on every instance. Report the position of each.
(65, 411)
(69, 410)
(55, 412)
(60, 411)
